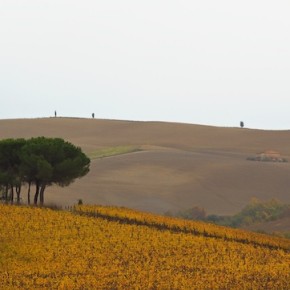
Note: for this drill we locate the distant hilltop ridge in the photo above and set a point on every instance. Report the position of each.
(268, 155)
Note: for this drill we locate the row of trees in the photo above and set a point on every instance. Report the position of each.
(40, 162)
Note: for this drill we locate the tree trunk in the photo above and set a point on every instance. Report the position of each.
(42, 194)
(12, 194)
(36, 193)
(6, 193)
(18, 191)
(28, 193)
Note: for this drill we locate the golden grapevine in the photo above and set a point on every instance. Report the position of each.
(45, 249)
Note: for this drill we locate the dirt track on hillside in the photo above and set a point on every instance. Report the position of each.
(181, 165)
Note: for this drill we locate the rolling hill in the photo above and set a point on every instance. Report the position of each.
(165, 166)
(93, 247)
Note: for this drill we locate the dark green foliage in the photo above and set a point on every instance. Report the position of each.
(255, 212)
(10, 172)
(193, 213)
(258, 211)
(40, 161)
(55, 161)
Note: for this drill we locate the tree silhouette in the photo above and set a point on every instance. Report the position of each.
(40, 161)
(10, 167)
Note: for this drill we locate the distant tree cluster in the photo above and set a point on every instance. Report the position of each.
(255, 212)
(193, 213)
(40, 162)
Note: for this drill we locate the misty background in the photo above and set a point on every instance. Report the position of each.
(205, 62)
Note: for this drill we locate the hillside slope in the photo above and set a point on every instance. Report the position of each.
(112, 248)
(180, 165)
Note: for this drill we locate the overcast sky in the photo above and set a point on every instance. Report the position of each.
(205, 62)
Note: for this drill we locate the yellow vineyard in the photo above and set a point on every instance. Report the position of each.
(110, 248)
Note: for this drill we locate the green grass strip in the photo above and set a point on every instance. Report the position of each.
(113, 151)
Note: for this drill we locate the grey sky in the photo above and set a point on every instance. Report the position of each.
(206, 62)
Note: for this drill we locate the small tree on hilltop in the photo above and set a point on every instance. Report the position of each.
(242, 124)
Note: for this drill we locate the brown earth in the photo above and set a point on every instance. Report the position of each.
(181, 165)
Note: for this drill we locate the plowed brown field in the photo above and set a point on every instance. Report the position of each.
(180, 165)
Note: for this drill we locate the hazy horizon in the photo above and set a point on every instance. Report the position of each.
(199, 62)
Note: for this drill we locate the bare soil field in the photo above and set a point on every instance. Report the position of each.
(179, 165)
